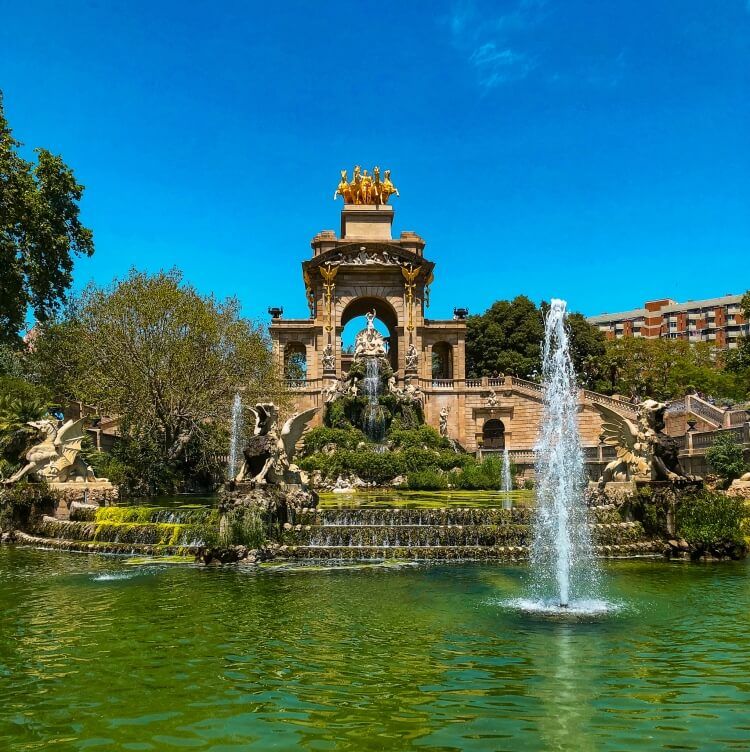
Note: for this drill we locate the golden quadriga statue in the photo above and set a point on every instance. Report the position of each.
(366, 189)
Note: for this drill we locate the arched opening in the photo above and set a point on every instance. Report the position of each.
(295, 362)
(493, 434)
(442, 361)
(353, 321)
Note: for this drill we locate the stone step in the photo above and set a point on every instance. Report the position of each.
(102, 547)
(146, 533)
(443, 535)
(143, 515)
(437, 516)
(646, 548)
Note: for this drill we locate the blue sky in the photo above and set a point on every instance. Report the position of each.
(597, 152)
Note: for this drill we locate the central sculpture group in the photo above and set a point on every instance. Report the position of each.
(364, 188)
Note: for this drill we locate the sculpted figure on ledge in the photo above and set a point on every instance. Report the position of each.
(270, 453)
(644, 451)
(56, 457)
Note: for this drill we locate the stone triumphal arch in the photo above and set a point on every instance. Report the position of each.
(365, 268)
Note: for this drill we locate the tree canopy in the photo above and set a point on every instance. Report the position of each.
(40, 233)
(665, 369)
(162, 357)
(507, 338)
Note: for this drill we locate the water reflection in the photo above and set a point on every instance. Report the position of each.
(408, 658)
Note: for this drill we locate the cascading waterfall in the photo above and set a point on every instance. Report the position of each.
(507, 479)
(563, 568)
(373, 417)
(235, 439)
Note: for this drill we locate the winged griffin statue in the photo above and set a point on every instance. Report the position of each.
(644, 451)
(56, 457)
(270, 453)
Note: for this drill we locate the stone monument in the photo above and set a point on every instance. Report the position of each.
(56, 460)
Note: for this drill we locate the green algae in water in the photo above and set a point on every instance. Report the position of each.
(140, 561)
(413, 658)
(392, 498)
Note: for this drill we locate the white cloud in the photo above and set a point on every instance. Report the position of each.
(487, 40)
(496, 66)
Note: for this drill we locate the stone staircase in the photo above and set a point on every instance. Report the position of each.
(445, 534)
(148, 531)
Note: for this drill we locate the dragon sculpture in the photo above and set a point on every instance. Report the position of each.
(644, 451)
(269, 454)
(56, 457)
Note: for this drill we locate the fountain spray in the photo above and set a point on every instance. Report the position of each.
(562, 560)
(235, 437)
(507, 479)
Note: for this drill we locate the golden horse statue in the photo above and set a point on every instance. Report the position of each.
(365, 188)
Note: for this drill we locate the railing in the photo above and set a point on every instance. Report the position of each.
(533, 386)
(521, 456)
(615, 404)
(677, 407)
(704, 409)
(738, 417)
(706, 439)
(442, 383)
(296, 383)
(681, 441)
(473, 383)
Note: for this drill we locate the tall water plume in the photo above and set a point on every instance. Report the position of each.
(507, 479)
(235, 437)
(563, 566)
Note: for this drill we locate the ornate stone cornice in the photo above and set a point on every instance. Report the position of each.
(369, 253)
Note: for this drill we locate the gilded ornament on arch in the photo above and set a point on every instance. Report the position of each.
(410, 273)
(365, 189)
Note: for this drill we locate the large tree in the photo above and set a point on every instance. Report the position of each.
(507, 338)
(665, 369)
(738, 360)
(40, 233)
(164, 358)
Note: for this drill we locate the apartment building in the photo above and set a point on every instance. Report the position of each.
(716, 320)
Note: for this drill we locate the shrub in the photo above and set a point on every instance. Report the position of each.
(426, 480)
(342, 438)
(377, 468)
(243, 526)
(476, 476)
(712, 519)
(725, 457)
(425, 437)
(17, 500)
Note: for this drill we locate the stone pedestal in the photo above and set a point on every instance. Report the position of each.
(366, 222)
(99, 493)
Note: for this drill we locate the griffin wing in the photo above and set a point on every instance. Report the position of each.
(618, 432)
(68, 442)
(293, 430)
(256, 418)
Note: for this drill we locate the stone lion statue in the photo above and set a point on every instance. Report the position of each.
(644, 451)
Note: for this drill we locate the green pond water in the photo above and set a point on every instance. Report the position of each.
(100, 653)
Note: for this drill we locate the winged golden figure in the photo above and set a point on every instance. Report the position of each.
(410, 273)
